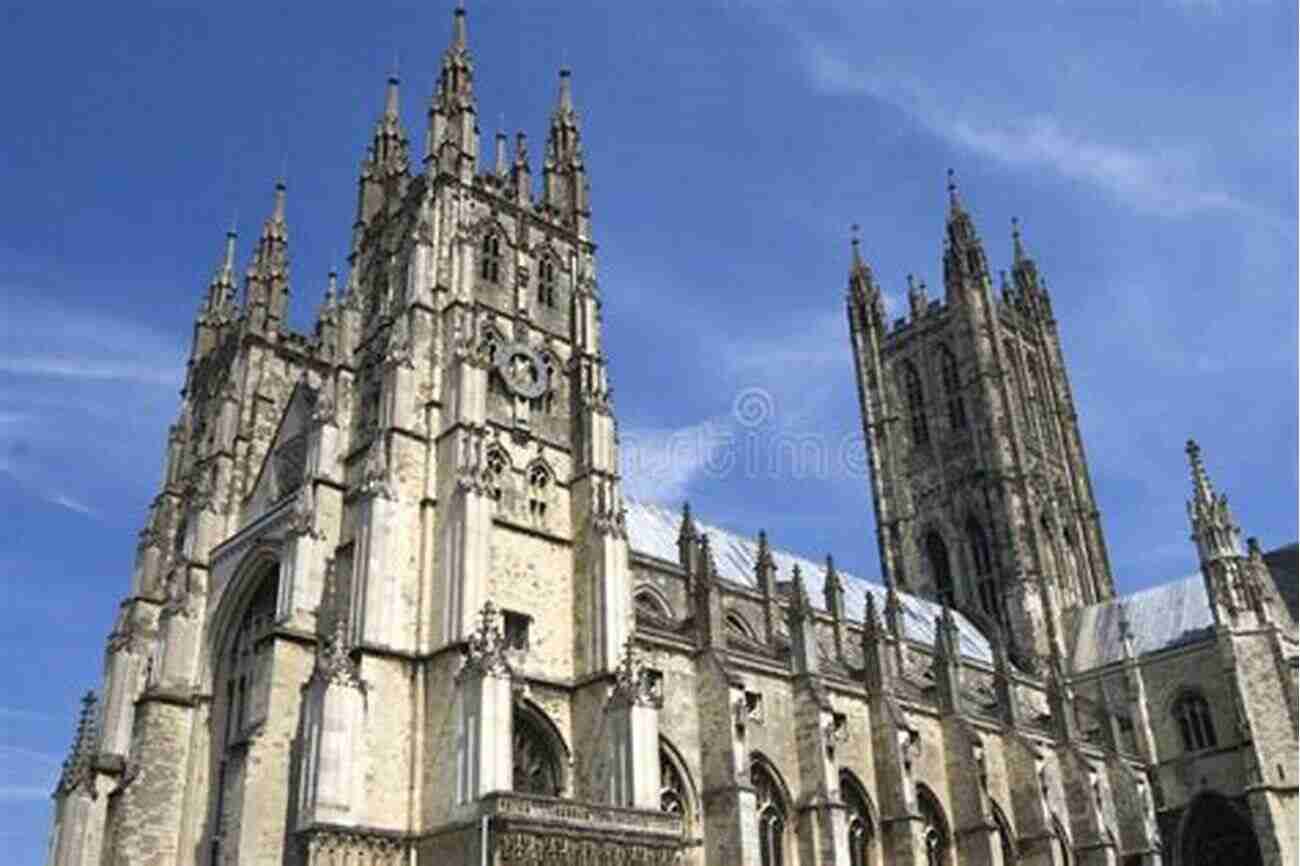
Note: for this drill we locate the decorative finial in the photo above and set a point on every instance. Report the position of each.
(459, 24)
(392, 102)
(228, 265)
(1200, 481)
(331, 287)
(566, 89)
(280, 189)
(1017, 247)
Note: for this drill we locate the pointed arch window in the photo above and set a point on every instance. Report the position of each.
(546, 281)
(951, 380)
(1195, 724)
(672, 787)
(241, 665)
(1034, 399)
(915, 404)
(982, 559)
(861, 827)
(497, 466)
(936, 552)
(536, 766)
(490, 257)
(935, 828)
(539, 483)
(772, 815)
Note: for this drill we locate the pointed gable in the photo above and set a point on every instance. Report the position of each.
(285, 464)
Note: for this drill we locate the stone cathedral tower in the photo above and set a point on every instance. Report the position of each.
(362, 533)
(979, 481)
(390, 607)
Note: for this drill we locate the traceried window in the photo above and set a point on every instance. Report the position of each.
(672, 787)
(545, 402)
(539, 483)
(935, 832)
(981, 558)
(546, 281)
(771, 815)
(242, 663)
(861, 829)
(497, 466)
(940, 567)
(915, 404)
(536, 767)
(490, 257)
(952, 389)
(1033, 386)
(1195, 724)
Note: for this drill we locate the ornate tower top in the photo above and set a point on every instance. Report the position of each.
(1214, 529)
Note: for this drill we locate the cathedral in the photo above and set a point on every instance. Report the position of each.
(391, 608)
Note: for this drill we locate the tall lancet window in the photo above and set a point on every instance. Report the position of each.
(771, 814)
(1034, 391)
(915, 404)
(861, 828)
(982, 559)
(490, 257)
(952, 388)
(546, 282)
(935, 828)
(1192, 713)
(936, 552)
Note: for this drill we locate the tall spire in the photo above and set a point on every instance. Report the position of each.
(964, 263)
(863, 290)
(453, 143)
(1214, 529)
(1024, 270)
(564, 173)
(267, 288)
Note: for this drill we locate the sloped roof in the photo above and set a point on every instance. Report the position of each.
(653, 531)
(1161, 617)
(1165, 616)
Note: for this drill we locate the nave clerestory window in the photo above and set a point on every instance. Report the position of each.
(771, 815)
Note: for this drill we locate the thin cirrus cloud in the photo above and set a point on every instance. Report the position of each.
(1166, 180)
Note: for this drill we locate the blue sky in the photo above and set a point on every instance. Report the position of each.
(1148, 147)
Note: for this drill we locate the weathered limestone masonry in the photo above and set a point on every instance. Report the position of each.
(391, 607)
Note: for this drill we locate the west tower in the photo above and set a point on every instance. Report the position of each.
(978, 476)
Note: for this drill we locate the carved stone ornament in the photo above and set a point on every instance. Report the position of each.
(304, 512)
(485, 651)
(78, 770)
(375, 477)
(523, 370)
(334, 662)
(323, 412)
(634, 683)
(399, 344)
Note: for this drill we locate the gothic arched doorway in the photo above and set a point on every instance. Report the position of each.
(1218, 831)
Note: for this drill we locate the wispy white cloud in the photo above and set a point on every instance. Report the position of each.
(660, 465)
(71, 504)
(92, 368)
(1163, 178)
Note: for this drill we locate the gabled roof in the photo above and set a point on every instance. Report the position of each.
(653, 531)
(1165, 616)
(1161, 617)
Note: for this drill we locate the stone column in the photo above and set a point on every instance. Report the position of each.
(633, 710)
(332, 769)
(485, 716)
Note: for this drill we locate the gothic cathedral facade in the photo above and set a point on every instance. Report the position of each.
(390, 605)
